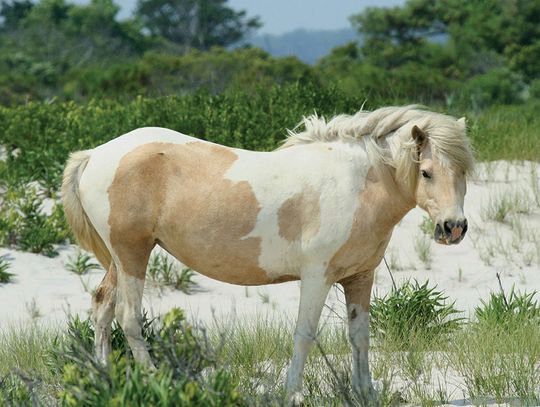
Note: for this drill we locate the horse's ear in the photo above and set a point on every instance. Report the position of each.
(419, 136)
(462, 122)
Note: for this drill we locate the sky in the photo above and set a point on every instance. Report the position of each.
(280, 16)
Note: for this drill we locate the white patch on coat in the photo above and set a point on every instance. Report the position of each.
(337, 171)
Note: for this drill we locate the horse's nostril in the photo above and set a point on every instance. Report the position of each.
(448, 225)
(465, 226)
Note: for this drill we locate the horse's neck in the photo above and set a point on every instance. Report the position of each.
(383, 203)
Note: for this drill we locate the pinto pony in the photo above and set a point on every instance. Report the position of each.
(320, 209)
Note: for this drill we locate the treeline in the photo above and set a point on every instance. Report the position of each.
(464, 54)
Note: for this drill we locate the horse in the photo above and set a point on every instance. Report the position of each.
(320, 209)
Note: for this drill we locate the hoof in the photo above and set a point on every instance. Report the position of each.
(367, 395)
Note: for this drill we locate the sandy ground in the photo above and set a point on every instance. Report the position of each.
(43, 289)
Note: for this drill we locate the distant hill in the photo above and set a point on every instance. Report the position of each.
(308, 46)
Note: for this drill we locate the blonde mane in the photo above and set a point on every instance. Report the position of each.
(446, 135)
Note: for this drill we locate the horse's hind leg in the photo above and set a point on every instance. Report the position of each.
(103, 303)
(132, 260)
(313, 293)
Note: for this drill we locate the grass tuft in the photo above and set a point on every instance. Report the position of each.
(5, 264)
(164, 270)
(508, 310)
(427, 226)
(500, 206)
(422, 246)
(410, 309)
(81, 263)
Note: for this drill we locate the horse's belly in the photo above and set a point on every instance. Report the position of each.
(234, 263)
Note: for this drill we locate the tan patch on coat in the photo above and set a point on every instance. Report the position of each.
(358, 291)
(299, 217)
(376, 215)
(177, 195)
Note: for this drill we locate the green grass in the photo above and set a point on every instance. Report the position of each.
(81, 263)
(497, 362)
(422, 247)
(506, 132)
(5, 276)
(25, 365)
(482, 358)
(500, 206)
(164, 270)
(427, 226)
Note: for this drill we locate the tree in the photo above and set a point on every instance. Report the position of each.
(13, 12)
(199, 24)
(481, 34)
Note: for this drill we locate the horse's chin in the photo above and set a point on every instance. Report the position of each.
(447, 241)
(442, 241)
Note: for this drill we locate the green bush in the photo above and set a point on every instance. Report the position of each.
(186, 375)
(534, 89)
(412, 310)
(162, 269)
(14, 391)
(81, 263)
(5, 276)
(508, 310)
(506, 132)
(25, 226)
(497, 86)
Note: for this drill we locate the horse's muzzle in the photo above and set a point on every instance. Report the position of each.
(450, 231)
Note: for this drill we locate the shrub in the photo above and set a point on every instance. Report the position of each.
(534, 89)
(187, 373)
(162, 269)
(24, 225)
(81, 263)
(215, 71)
(503, 310)
(5, 276)
(497, 86)
(412, 309)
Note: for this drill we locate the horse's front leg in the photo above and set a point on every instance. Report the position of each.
(357, 295)
(313, 293)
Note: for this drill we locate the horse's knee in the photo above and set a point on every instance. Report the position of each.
(103, 304)
(104, 298)
(304, 340)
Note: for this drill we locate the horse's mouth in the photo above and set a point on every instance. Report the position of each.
(449, 240)
(454, 237)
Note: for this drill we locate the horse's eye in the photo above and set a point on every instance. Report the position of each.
(426, 174)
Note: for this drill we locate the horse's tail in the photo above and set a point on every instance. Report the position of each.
(77, 218)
